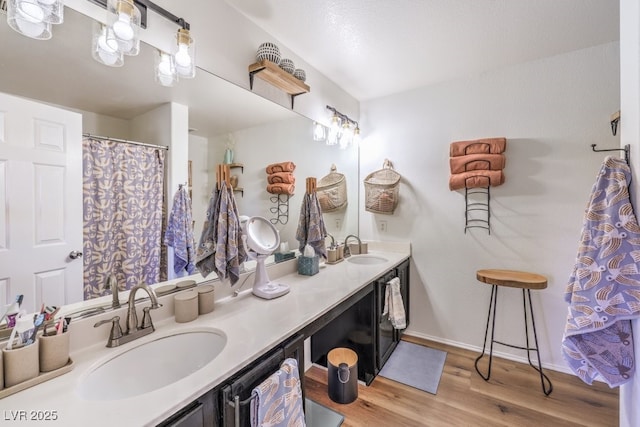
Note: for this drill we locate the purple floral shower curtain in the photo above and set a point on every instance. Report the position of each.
(123, 197)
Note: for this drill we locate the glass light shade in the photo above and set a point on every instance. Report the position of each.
(29, 18)
(319, 132)
(124, 19)
(104, 46)
(54, 10)
(356, 135)
(346, 137)
(165, 69)
(184, 55)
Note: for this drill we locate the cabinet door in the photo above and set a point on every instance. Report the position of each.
(203, 412)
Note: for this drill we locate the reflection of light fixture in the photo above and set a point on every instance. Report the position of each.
(104, 47)
(343, 130)
(319, 132)
(124, 18)
(184, 54)
(33, 18)
(165, 69)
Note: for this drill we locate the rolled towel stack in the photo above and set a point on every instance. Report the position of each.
(280, 179)
(477, 163)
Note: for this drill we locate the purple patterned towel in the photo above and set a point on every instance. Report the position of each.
(311, 229)
(604, 288)
(179, 233)
(277, 401)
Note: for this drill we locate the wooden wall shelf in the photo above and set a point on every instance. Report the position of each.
(273, 74)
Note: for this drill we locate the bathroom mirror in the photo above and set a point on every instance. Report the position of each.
(62, 72)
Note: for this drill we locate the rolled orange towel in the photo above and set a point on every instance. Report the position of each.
(281, 167)
(472, 162)
(281, 178)
(474, 179)
(478, 146)
(281, 188)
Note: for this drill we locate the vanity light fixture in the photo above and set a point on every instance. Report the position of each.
(125, 18)
(33, 18)
(343, 130)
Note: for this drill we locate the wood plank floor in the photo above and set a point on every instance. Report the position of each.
(513, 397)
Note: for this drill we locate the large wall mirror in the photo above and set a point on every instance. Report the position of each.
(62, 72)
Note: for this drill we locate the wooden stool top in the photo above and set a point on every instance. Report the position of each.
(512, 279)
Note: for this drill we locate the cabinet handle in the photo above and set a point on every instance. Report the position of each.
(236, 401)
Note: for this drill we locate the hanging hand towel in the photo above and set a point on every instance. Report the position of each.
(311, 228)
(478, 146)
(393, 304)
(281, 167)
(277, 401)
(179, 233)
(476, 162)
(604, 288)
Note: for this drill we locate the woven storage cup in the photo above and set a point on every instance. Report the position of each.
(332, 191)
(382, 189)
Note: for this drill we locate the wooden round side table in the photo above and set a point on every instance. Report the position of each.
(521, 280)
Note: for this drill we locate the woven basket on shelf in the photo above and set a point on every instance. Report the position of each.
(381, 190)
(332, 191)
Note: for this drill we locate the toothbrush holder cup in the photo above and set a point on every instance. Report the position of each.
(54, 351)
(20, 364)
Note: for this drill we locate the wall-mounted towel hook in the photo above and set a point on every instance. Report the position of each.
(626, 149)
(615, 118)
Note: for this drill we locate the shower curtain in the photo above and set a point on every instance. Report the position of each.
(123, 194)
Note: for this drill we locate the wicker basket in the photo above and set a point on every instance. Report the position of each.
(332, 191)
(382, 190)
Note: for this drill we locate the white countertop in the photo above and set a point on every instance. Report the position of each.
(252, 326)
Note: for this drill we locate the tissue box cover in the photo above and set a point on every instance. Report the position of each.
(308, 266)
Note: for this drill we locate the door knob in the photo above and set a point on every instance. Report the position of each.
(75, 254)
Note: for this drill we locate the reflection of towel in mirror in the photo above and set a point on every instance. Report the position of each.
(476, 161)
(311, 229)
(179, 233)
(603, 291)
(221, 248)
(277, 401)
(281, 167)
(281, 188)
(281, 177)
(393, 305)
(474, 179)
(478, 146)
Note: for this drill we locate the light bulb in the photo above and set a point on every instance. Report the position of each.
(31, 29)
(164, 68)
(183, 59)
(30, 11)
(122, 27)
(108, 58)
(107, 44)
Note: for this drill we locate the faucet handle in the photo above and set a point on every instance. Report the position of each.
(146, 319)
(116, 330)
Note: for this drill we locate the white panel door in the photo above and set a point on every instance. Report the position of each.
(40, 203)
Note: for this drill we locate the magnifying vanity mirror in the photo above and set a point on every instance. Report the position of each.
(221, 115)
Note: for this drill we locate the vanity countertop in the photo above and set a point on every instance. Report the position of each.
(252, 326)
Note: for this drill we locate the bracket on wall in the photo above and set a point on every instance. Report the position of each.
(273, 74)
(615, 118)
(626, 149)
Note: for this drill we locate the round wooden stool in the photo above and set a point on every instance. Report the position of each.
(526, 282)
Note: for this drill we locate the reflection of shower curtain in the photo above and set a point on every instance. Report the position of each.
(123, 214)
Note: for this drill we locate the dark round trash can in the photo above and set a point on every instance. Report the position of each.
(342, 364)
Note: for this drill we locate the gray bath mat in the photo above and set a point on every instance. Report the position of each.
(416, 366)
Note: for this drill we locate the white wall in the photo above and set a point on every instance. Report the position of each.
(200, 175)
(550, 111)
(630, 134)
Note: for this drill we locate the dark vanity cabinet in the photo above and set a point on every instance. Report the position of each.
(205, 411)
(363, 328)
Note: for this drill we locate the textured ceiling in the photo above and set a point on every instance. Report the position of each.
(373, 48)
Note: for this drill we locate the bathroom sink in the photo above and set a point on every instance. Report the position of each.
(152, 365)
(366, 259)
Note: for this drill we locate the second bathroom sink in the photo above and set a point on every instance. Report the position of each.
(366, 259)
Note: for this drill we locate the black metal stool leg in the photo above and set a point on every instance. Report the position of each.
(543, 377)
(492, 304)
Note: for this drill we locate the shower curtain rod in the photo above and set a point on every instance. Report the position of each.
(106, 138)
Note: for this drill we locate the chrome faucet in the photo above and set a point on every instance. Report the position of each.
(133, 331)
(333, 241)
(112, 284)
(347, 251)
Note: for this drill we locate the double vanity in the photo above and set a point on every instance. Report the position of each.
(191, 373)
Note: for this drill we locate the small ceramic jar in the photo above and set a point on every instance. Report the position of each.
(205, 299)
(186, 306)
